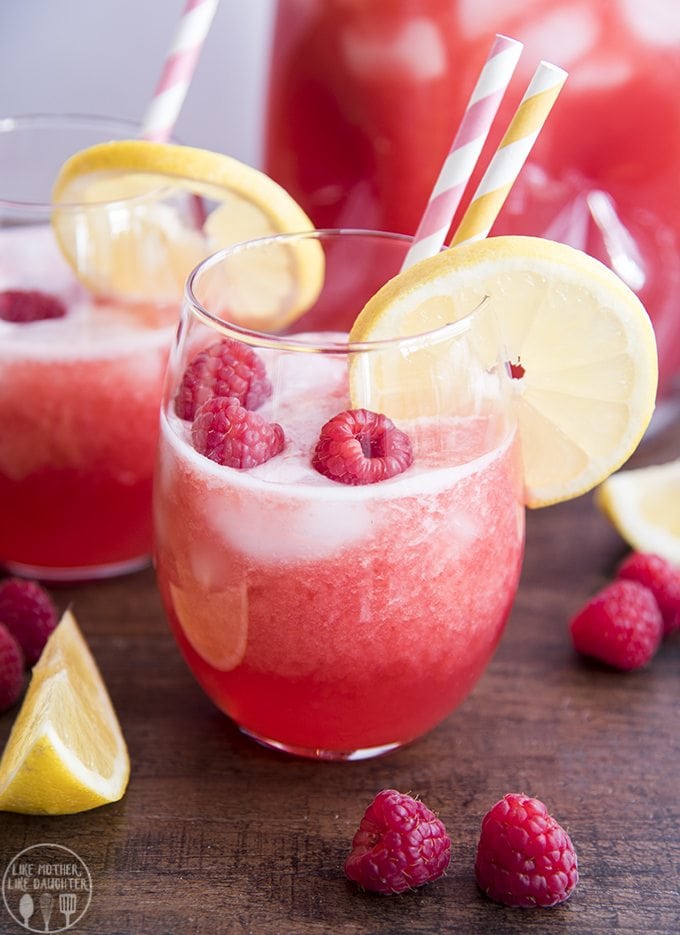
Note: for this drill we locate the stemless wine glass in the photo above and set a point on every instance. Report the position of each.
(339, 526)
(81, 363)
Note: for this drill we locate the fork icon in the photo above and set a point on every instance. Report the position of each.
(67, 906)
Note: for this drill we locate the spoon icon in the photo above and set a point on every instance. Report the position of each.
(26, 908)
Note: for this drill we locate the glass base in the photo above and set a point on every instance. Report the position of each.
(73, 575)
(336, 756)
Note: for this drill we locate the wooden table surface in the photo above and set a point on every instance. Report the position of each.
(217, 834)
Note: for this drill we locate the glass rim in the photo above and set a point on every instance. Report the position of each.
(122, 127)
(288, 342)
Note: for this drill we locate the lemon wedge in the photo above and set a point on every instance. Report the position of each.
(66, 752)
(134, 217)
(581, 343)
(644, 506)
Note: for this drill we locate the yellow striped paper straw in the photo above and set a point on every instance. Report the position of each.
(512, 152)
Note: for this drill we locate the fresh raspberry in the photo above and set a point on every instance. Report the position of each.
(227, 368)
(21, 305)
(227, 433)
(27, 611)
(662, 579)
(621, 626)
(11, 669)
(524, 857)
(361, 447)
(400, 844)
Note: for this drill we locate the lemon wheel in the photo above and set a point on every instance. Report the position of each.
(578, 343)
(133, 218)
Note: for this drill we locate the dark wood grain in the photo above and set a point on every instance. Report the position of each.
(216, 834)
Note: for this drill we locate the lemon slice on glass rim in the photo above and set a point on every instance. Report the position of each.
(643, 504)
(134, 217)
(577, 339)
(66, 752)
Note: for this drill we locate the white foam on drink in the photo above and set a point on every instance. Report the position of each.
(315, 516)
(30, 259)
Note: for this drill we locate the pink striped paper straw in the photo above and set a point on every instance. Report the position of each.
(173, 84)
(512, 153)
(465, 149)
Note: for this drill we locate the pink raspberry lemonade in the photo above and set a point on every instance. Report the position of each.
(336, 577)
(365, 97)
(81, 378)
(79, 396)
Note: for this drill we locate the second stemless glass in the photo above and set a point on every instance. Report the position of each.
(81, 365)
(333, 620)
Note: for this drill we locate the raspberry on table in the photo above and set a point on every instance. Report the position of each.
(224, 431)
(27, 305)
(400, 844)
(11, 669)
(524, 857)
(226, 368)
(663, 580)
(358, 446)
(27, 610)
(621, 626)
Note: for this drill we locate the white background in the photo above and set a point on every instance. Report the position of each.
(105, 57)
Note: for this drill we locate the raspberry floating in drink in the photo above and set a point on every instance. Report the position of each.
(361, 447)
(227, 433)
(226, 368)
(28, 305)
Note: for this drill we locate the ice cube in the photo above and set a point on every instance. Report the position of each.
(565, 36)
(479, 18)
(418, 50)
(654, 21)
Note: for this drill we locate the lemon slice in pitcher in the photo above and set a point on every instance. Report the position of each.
(578, 342)
(66, 752)
(134, 217)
